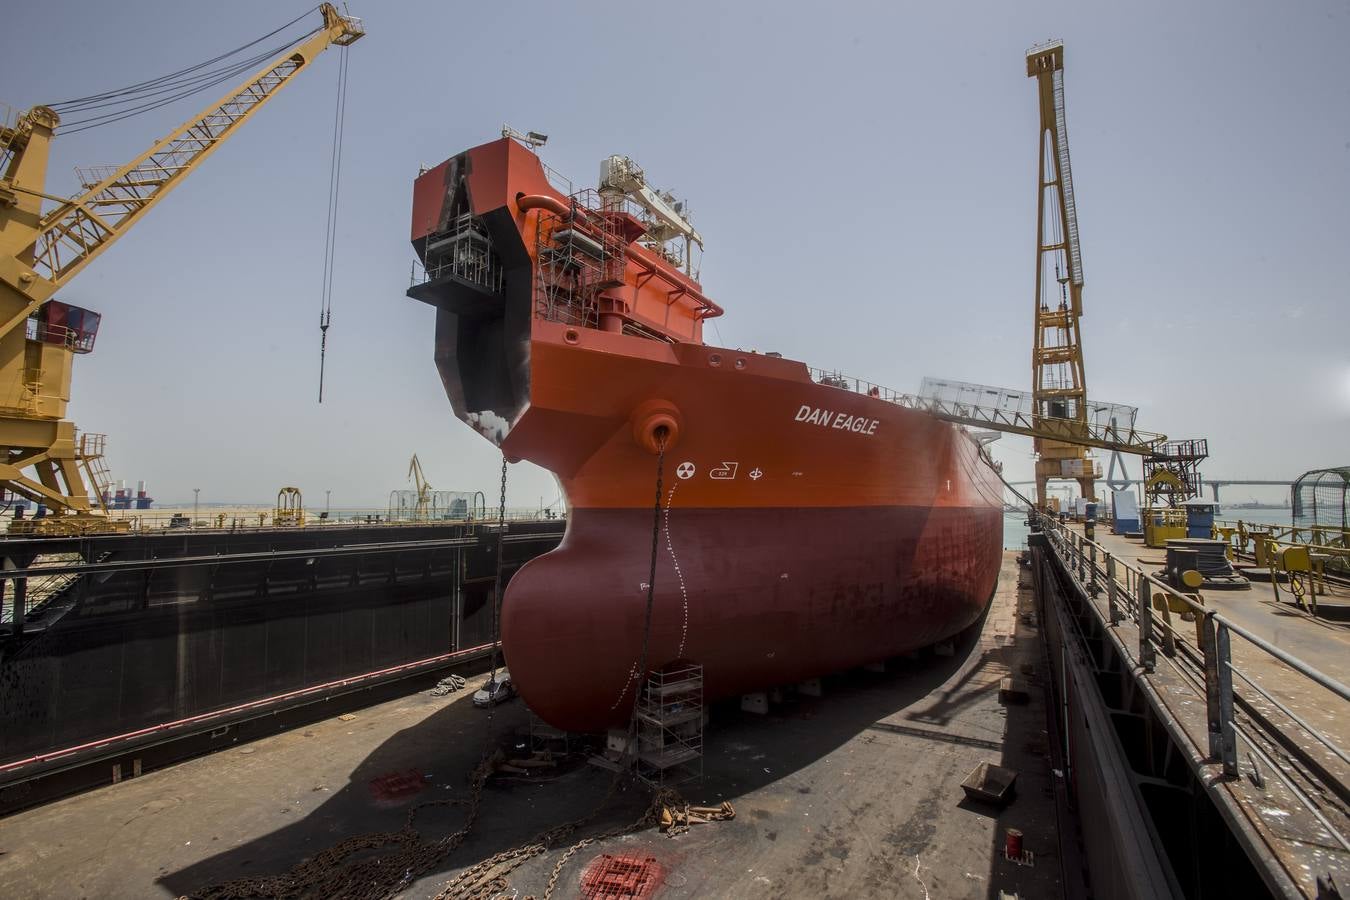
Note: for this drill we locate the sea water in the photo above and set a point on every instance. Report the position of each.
(1015, 523)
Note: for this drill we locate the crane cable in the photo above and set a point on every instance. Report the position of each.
(330, 232)
(176, 92)
(144, 96)
(162, 79)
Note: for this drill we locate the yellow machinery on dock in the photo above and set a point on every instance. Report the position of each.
(290, 511)
(45, 461)
(1163, 524)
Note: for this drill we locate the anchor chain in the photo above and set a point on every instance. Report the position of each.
(329, 874)
(496, 607)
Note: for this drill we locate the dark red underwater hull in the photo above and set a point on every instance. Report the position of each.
(760, 597)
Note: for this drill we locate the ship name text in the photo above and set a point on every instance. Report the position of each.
(828, 418)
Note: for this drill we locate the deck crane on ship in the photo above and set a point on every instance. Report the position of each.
(45, 460)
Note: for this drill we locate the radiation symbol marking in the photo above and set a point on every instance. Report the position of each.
(685, 470)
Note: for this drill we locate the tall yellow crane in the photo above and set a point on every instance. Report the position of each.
(41, 251)
(1059, 386)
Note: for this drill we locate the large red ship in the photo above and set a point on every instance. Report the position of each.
(807, 523)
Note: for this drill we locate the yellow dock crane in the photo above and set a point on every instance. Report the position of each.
(1062, 423)
(422, 511)
(40, 252)
(1059, 386)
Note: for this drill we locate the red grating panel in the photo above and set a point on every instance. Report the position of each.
(621, 878)
(396, 786)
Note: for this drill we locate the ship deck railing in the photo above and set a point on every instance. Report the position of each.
(1019, 420)
(1203, 650)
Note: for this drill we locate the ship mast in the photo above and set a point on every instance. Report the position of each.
(1059, 387)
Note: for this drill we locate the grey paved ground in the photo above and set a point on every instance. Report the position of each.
(856, 794)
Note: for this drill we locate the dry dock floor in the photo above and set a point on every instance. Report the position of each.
(853, 794)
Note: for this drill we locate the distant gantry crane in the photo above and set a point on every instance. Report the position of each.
(40, 252)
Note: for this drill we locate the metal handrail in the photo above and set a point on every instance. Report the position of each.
(247, 521)
(1127, 439)
(1293, 662)
(1136, 589)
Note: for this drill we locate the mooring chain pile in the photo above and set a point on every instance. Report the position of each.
(330, 873)
(662, 798)
(325, 875)
(487, 880)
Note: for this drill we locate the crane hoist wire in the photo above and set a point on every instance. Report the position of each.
(177, 90)
(330, 230)
(144, 96)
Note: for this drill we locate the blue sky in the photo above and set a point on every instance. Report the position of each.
(863, 175)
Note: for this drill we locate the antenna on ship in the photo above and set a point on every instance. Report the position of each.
(532, 139)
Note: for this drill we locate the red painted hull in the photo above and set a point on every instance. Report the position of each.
(847, 548)
(761, 598)
(803, 528)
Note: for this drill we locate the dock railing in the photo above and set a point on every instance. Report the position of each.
(260, 519)
(1149, 603)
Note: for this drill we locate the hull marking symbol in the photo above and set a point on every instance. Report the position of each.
(685, 470)
(725, 472)
(756, 474)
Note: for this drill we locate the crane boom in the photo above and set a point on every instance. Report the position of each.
(40, 252)
(77, 230)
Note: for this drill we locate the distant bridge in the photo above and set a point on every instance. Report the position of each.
(1212, 483)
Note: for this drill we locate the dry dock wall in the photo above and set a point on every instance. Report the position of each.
(137, 656)
(1151, 829)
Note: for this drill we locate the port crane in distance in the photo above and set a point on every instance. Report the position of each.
(422, 511)
(45, 459)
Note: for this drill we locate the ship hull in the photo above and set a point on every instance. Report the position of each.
(758, 597)
(804, 524)
(802, 529)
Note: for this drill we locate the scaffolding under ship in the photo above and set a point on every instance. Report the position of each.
(803, 528)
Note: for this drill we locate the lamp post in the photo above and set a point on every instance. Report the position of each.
(196, 494)
(327, 500)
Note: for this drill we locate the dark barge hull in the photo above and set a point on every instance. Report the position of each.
(148, 652)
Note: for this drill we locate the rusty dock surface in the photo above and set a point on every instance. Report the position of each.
(855, 793)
